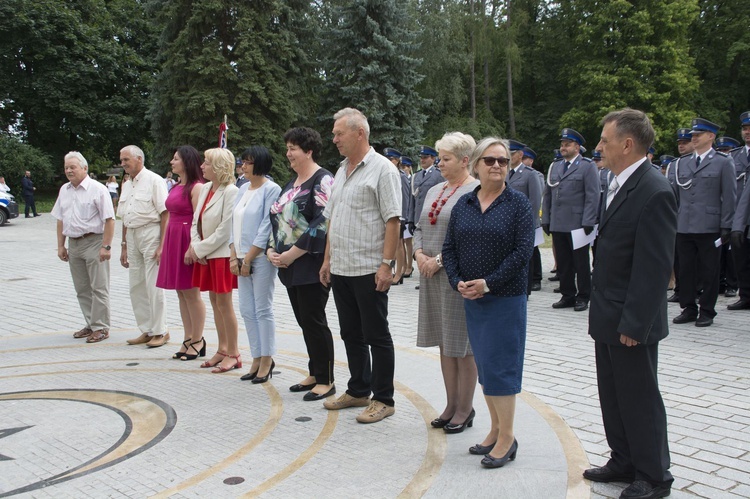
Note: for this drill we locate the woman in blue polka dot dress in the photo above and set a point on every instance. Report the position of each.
(486, 254)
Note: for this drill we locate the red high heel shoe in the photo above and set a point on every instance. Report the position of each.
(237, 364)
(208, 362)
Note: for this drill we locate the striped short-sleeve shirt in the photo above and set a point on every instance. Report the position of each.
(358, 209)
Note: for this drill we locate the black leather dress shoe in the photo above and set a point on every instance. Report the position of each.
(581, 305)
(556, 290)
(537, 286)
(675, 298)
(309, 396)
(686, 316)
(704, 321)
(641, 489)
(301, 388)
(606, 475)
(564, 303)
(553, 278)
(730, 293)
(739, 305)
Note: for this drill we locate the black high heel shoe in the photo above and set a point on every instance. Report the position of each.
(201, 353)
(249, 376)
(439, 423)
(178, 355)
(262, 379)
(458, 428)
(493, 462)
(481, 450)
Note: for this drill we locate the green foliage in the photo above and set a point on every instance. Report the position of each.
(370, 63)
(16, 158)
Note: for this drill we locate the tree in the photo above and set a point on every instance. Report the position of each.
(73, 75)
(16, 158)
(370, 63)
(228, 57)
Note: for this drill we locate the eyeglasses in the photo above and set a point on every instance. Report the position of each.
(248, 163)
(491, 160)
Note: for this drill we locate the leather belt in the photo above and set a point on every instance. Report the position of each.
(84, 236)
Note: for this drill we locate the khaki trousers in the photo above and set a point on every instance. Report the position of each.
(149, 304)
(90, 280)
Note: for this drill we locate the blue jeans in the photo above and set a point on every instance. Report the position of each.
(256, 307)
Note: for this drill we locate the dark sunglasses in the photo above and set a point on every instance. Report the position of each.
(490, 160)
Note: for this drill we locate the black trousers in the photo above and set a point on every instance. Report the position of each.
(635, 421)
(573, 267)
(699, 265)
(309, 305)
(536, 265)
(28, 200)
(741, 257)
(363, 319)
(727, 275)
(676, 270)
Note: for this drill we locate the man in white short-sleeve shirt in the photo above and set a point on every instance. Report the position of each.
(144, 220)
(364, 210)
(85, 218)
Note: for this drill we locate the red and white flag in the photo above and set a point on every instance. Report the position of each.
(223, 133)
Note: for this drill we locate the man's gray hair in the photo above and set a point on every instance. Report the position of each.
(77, 155)
(632, 123)
(136, 152)
(355, 120)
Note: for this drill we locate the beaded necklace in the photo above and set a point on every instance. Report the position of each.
(438, 204)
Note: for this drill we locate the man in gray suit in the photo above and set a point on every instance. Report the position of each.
(529, 156)
(706, 187)
(523, 179)
(571, 199)
(740, 249)
(628, 314)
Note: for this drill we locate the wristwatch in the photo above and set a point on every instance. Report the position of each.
(439, 260)
(108, 248)
(390, 263)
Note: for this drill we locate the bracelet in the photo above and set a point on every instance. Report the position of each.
(123, 243)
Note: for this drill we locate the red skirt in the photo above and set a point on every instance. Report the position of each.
(215, 276)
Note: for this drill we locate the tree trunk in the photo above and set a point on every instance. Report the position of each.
(511, 113)
(472, 70)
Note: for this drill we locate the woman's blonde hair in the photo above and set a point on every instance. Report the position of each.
(222, 163)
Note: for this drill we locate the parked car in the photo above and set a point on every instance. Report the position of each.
(8, 207)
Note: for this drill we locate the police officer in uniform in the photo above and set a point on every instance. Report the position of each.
(571, 201)
(529, 156)
(740, 248)
(727, 276)
(424, 179)
(523, 179)
(684, 146)
(706, 186)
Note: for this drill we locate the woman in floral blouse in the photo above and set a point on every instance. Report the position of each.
(296, 247)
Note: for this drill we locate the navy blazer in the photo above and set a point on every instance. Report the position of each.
(633, 262)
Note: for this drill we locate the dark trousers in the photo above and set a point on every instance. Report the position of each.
(573, 267)
(363, 319)
(727, 275)
(309, 305)
(536, 266)
(635, 421)
(676, 269)
(741, 257)
(30, 204)
(699, 265)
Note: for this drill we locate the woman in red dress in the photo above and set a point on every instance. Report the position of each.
(212, 226)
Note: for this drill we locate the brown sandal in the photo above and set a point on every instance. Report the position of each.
(83, 333)
(98, 336)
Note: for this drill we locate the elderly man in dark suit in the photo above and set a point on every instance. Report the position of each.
(628, 314)
(571, 201)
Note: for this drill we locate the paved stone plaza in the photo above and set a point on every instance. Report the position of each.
(112, 420)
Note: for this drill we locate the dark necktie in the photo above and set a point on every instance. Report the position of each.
(510, 176)
(697, 162)
(565, 168)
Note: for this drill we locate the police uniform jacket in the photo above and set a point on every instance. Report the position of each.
(422, 181)
(741, 167)
(407, 200)
(707, 200)
(526, 181)
(572, 199)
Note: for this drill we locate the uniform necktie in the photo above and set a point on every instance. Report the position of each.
(510, 175)
(613, 186)
(565, 168)
(697, 162)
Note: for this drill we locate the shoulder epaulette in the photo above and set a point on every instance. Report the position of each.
(685, 155)
(722, 154)
(587, 159)
(737, 149)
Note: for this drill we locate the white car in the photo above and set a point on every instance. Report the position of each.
(8, 207)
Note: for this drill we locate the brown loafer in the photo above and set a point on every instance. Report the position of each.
(83, 333)
(143, 338)
(158, 340)
(98, 336)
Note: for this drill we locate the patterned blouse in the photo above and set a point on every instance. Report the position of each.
(495, 245)
(297, 220)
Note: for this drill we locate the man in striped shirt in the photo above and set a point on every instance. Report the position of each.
(363, 211)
